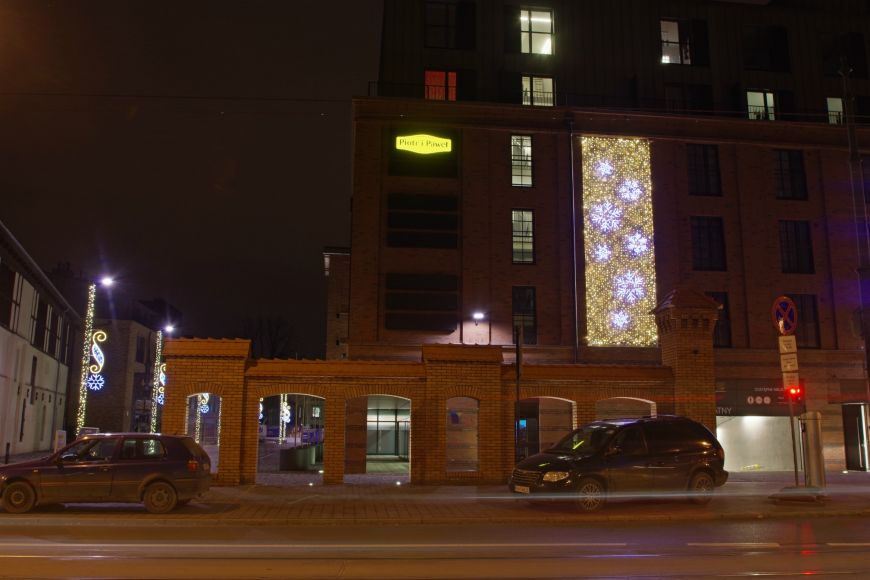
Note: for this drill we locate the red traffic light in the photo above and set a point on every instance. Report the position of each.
(794, 392)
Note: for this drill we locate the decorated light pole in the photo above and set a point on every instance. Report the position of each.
(93, 358)
(158, 381)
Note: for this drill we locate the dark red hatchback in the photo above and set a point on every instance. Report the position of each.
(161, 471)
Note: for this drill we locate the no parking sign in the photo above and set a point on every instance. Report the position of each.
(784, 314)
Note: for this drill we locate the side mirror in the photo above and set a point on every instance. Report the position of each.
(68, 457)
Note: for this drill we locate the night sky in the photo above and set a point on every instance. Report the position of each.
(198, 150)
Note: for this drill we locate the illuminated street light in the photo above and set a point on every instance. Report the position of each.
(477, 317)
(169, 328)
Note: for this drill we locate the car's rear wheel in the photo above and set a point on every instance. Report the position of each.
(160, 497)
(701, 488)
(590, 495)
(18, 497)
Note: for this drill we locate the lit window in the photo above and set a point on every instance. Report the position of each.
(538, 91)
(521, 160)
(835, 110)
(536, 31)
(676, 48)
(760, 105)
(523, 236)
(440, 85)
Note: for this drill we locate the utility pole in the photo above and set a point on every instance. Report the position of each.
(859, 212)
(519, 346)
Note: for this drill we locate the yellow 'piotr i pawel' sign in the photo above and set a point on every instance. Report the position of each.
(424, 144)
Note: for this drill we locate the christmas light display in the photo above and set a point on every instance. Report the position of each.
(158, 381)
(618, 236)
(86, 358)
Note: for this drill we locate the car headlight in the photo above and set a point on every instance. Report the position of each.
(556, 475)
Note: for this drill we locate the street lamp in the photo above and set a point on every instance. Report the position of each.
(158, 379)
(91, 377)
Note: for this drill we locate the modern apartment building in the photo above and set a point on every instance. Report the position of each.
(560, 167)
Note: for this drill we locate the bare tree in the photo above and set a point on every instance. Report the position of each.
(270, 335)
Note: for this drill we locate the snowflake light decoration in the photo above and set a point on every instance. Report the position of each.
(630, 287)
(203, 403)
(637, 243)
(604, 168)
(285, 413)
(630, 190)
(602, 253)
(96, 382)
(620, 319)
(606, 216)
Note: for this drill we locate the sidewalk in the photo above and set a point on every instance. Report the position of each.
(380, 501)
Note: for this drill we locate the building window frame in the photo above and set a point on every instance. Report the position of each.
(439, 85)
(439, 32)
(807, 331)
(836, 112)
(535, 91)
(761, 104)
(524, 313)
(791, 179)
(708, 244)
(703, 167)
(796, 247)
(523, 236)
(722, 329)
(676, 42)
(536, 33)
(521, 161)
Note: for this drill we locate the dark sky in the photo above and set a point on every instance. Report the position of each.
(200, 150)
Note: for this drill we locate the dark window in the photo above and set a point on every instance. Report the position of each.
(40, 318)
(140, 349)
(142, 449)
(422, 221)
(426, 302)
(684, 42)
(450, 25)
(791, 181)
(7, 293)
(703, 161)
(523, 308)
(807, 329)
(722, 330)
(667, 437)
(766, 48)
(708, 243)
(865, 170)
(839, 47)
(523, 236)
(630, 442)
(680, 98)
(796, 247)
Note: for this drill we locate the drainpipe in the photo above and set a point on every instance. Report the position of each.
(574, 244)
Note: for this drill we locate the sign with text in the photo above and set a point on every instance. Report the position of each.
(788, 362)
(787, 344)
(753, 397)
(423, 144)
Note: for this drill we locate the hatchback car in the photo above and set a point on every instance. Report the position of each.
(650, 454)
(161, 471)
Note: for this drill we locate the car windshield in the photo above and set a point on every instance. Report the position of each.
(587, 439)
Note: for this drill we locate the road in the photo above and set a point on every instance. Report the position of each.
(669, 549)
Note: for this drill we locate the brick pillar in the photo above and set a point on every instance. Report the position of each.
(685, 320)
(334, 440)
(471, 371)
(356, 422)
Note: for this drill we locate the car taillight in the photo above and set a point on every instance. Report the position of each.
(193, 465)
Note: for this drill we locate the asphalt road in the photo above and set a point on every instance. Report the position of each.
(670, 549)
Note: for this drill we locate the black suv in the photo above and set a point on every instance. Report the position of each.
(161, 471)
(627, 455)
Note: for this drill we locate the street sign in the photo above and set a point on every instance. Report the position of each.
(788, 362)
(787, 344)
(789, 379)
(784, 314)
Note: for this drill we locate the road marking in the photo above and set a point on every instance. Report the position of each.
(315, 546)
(734, 544)
(850, 544)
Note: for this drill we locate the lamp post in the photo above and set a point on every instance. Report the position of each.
(158, 379)
(91, 379)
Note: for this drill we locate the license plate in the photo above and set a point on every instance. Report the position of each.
(521, 489)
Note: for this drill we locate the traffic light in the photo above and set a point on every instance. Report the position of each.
(795, 393)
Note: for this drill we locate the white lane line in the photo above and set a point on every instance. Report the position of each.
(850, 544)
(734, 544)
(310, 546)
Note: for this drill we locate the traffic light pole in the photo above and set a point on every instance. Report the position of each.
(793, 439)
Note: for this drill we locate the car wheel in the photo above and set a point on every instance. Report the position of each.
(701, 488)
(590, 495)
(160, 497)
(18, 498)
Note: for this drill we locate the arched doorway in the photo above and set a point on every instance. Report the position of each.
(378, 439)
(541, 422)
(290, 441)
(203, 423)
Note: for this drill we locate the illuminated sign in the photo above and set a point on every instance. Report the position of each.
(424, 144)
